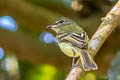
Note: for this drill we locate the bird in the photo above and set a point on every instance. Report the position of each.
(73, 42)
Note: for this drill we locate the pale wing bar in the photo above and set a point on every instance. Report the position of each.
(76, 39)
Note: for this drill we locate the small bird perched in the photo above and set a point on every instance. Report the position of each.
(73, 41)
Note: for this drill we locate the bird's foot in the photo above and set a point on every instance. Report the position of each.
(75, 65)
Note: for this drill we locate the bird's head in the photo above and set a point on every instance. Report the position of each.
(61, 24)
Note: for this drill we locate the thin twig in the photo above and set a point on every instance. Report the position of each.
(108, 25)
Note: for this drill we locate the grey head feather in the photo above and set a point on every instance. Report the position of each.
(68, 25)
(64, 24)
(63, 21)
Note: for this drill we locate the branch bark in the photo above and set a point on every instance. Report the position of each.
(108, 25)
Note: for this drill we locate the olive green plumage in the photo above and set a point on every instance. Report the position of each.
(73, 41)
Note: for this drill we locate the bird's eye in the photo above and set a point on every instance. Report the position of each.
(60, 21)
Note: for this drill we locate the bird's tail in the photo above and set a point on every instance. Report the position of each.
(87, 62)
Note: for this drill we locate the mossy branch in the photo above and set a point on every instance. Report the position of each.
(108, 25)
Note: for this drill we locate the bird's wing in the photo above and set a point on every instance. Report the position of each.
(76, 39)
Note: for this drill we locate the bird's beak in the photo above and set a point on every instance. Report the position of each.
(51, 26)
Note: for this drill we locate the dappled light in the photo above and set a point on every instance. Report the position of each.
(2, 53)
(87, 33)
(47, 38)
(8, 23)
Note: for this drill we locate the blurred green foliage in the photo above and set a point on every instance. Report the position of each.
(49, 72)
(41, 72)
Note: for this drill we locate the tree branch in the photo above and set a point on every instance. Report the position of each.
(108, 25)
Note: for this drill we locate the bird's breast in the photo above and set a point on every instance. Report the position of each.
(67, 49)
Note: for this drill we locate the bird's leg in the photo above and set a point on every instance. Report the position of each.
(73, 59)
(78, 63)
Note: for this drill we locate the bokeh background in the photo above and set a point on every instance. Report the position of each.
(28, 50)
